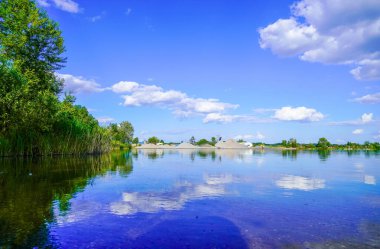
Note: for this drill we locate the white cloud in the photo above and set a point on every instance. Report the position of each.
(366, 118)
(357, 131)
(330, 32)
(124, 86)
(128, 12)
(43, 3)
(258, 135)
(300, 183)
(369, 99)
(67, 5)
(105, 120)
(289, 113)
(180, 104)
(79, 84)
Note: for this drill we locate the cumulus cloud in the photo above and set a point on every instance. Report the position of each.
(357, 131)
(330, 32)
(287, 113)
(300, 183)
(79, 84)
(258, 135)
(302, 113)
(369, 99)
(180, 103)
(366, 118)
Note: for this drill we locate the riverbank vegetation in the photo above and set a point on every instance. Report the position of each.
(33, 119)
(324, 144)
(291, 144)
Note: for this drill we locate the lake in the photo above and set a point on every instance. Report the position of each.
(192, 199)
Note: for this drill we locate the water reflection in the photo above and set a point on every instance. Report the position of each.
(30, 189)
(291, 154)
(300, 183)
(369, 180)
(175, 199)
(195, 198)
(241, 155)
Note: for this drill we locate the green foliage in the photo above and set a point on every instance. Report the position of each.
(213, 141)
(203, 142)
(284, 143)
(31, 43)
(153, 140)
(323, 143)
(135, 140)
(122, 132)
(32, 119)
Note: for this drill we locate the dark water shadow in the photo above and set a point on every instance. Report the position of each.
(200, 232)
(29, 190)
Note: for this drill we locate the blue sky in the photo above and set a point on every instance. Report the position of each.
(259, 70)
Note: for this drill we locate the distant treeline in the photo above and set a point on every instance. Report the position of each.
(33, 120)
(322, 144)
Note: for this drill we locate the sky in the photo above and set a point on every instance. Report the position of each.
(260, 70)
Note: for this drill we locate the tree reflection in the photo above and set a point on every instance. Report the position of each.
(292, 154)
(324, 154)
(29, 189)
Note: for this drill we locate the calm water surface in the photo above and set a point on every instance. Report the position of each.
(192, 199)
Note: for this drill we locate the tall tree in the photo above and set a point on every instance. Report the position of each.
(31, 42)
(31, 48)
(126, 132)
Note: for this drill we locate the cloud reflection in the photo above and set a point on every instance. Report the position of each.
(371, 180)
(300, 183)
(151, 202)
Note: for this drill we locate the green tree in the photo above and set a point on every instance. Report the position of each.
(213, 141)
(126, 131)
(135, 140)
(284, 143)
(323, 143)
(153, 140)
(202, 142)
(31, 43)
(122, 132)
(293, 143)
(31, 48)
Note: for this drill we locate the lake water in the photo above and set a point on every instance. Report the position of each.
(192, 199)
